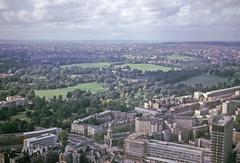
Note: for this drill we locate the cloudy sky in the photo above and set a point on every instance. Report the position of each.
(162, 20)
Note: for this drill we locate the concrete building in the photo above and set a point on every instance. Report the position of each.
(54, 130)
(185, 121)
(237, 150)
(45, 140)
(92, 130)
(79, 128)
(200, 113)
(134, 148)
(221, 139)
(236, 137)
(229, 107)
(146, 110)
(189, 107)
(148, 125)
(208, 96)
(159, 151)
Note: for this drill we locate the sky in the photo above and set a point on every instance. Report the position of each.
(160, 20)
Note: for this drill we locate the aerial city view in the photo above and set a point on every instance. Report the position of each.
(118, 81)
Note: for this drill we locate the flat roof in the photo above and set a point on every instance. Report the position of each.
(40, 137)
(223, 120)
(226, 89)
(180, 147)
(40, 131)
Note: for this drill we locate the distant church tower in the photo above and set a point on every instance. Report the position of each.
(108, 137)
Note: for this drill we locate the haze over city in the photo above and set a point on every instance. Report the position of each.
(119, 81)
(165, 20)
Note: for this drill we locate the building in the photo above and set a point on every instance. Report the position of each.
(79, 128)
(188, 107)
(93, 130)
(200, 113)
(148, 125)
(54, 130)
(229, 107)
(160, 151)
(185, 121)
(221, 139)
(134, 150)
(237, 150)
(117, 119)
(149, 111)
(208, 96)
(45, 140)
(236, 136)
(111, 139)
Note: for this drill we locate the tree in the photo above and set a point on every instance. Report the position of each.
(64, 138)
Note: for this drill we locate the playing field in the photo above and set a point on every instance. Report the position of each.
(89, 65)
(180, 57)
(94, 87)
(147, 67)
(205, 79)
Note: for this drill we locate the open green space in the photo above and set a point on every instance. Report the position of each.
(94, 87)
(147, 67)
(180, 57)
(206, 80)
(89, 65)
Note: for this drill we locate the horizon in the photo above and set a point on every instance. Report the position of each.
(165, 21)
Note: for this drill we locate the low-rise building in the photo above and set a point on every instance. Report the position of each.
(159, 151)
(54, 130)
(45, 140)
(185, 107)
(148, 125)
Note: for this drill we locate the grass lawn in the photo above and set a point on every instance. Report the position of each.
(89, 65)
(206, 79)
(180, 57)
(94, 87)
(147, 67)
(21, 116)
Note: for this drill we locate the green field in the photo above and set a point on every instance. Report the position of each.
(147, 67)
(94, 87)
(89, 65)
(205, 79)
(180, 57)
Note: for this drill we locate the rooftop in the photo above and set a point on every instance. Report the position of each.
(223, 121)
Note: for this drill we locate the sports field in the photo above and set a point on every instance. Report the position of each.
(94, 87)
(147, 67)
(89, 65)
(180, 57)
(205, 79)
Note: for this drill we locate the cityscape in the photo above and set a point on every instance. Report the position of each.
(106, 81)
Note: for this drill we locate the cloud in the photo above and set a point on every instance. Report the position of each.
(120, 19)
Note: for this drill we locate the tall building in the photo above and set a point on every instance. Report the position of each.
(229, 107)
(221, 139)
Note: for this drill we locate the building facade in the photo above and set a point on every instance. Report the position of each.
(160, 151)
(221, 139)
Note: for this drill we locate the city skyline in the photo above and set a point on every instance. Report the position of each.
(176, 20)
